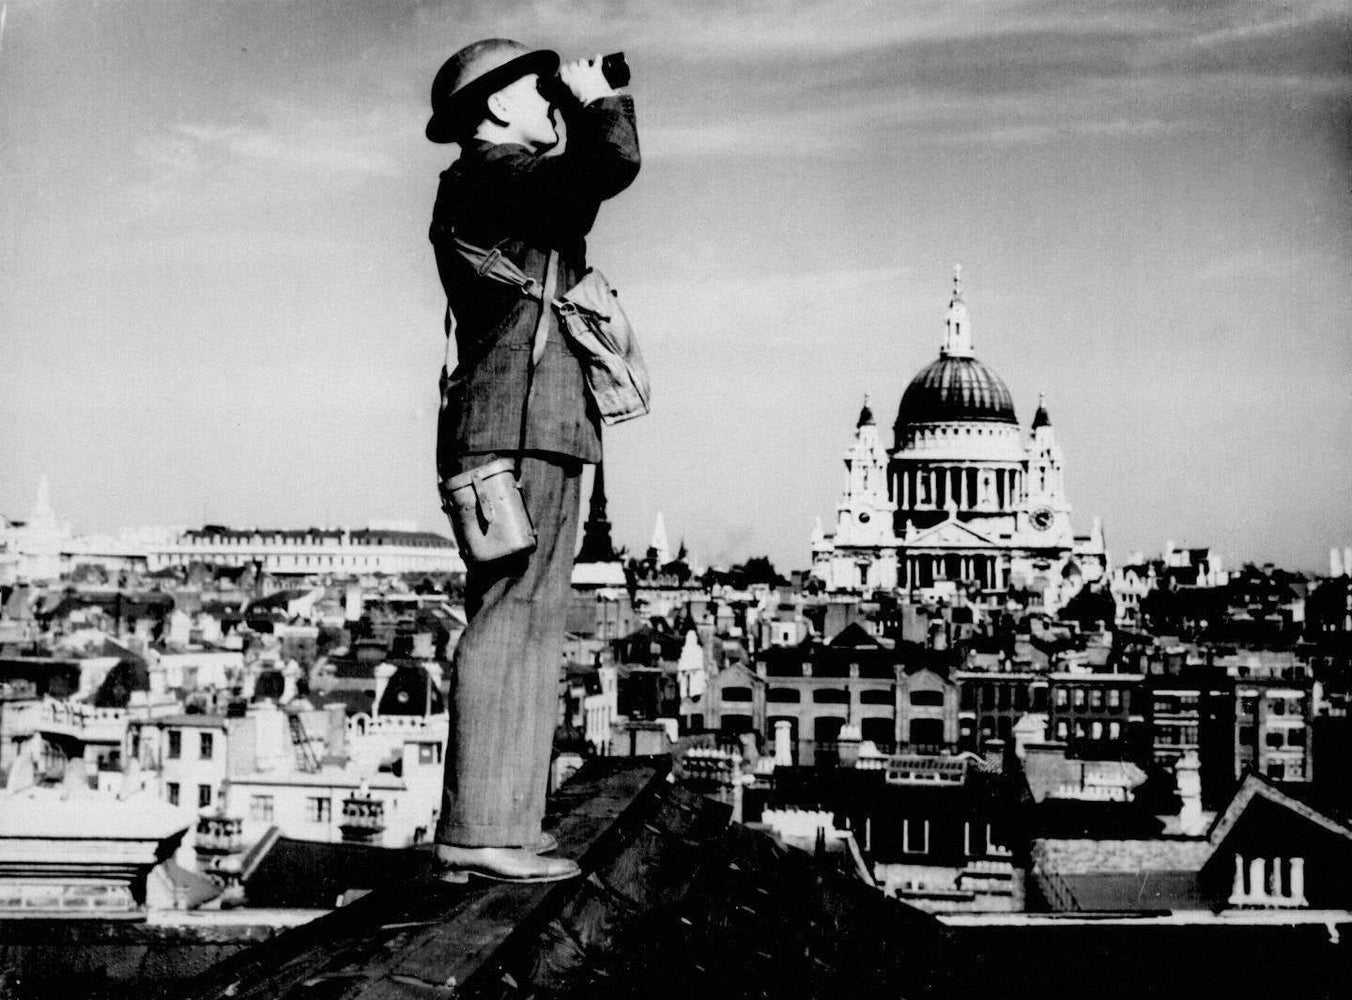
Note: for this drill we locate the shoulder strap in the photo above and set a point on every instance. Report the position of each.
(541, 335)
(493, 265)
(546, 297)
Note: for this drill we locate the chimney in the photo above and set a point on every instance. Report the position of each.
(270, 735)
(783, 744)
(75, 782)
(131, 780)
(290, 675)
(241, 735)
(335, 732)
(750, 753)
(1031, 728)
(1187, 774)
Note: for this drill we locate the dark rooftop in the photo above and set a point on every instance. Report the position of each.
(675, 902)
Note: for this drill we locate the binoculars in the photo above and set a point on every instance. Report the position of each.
(614, 67)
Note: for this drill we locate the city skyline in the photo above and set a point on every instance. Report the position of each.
(220, 303)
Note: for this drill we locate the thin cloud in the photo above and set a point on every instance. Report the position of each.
(1266, 21)
(329, 145)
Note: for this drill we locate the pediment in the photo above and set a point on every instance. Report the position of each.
(951, 534)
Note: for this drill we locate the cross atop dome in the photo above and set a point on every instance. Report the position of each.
(957, 327)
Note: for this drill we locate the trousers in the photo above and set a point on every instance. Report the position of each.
(504, 685)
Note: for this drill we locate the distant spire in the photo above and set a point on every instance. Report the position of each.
(1040, 418)
(866, 414)
(597, 546)
(659, 546)
(957, 326)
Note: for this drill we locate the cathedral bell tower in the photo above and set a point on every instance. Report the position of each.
(1046, 509)
(861, 554)
(864, 511)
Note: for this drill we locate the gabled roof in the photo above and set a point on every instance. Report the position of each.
(951, 533)
(1256, 786)
(854, 636)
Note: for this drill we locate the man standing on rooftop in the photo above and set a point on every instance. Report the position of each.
(518, 396)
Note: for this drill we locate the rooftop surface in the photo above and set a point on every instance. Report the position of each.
(675, 901)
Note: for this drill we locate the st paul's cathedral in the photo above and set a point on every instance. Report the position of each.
(963, 500)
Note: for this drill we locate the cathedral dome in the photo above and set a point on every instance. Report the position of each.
(956, 388)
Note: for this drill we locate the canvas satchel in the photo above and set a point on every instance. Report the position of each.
(595, 324)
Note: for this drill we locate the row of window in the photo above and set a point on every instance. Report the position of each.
(173, 792)
(1248, 705)
(1095, 730)
(1274, 738)
(318, 808)
(1173, 736)
(915, 838)
(1175, 704)
(250, 541)
(206, 745)
(825, 728)
(1002, 696)
(821, 696)
(1094, 698)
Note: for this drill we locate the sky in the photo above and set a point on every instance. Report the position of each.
(218, 302)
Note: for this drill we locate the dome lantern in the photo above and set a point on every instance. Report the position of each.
(956, 387)
(957, 326)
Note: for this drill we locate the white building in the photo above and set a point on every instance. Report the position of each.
(600, 708)
(313, 551)
(967, 501)
(30, 550)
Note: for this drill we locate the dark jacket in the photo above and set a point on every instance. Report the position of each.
(525, 204)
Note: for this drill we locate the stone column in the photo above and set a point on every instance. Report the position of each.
(1257, 885)
(1237, 890)
(1298, 881)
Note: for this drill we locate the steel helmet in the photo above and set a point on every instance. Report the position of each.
(474, 73)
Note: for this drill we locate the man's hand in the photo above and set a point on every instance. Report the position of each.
(585, 79)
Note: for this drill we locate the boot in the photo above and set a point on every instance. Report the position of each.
(502, 864)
